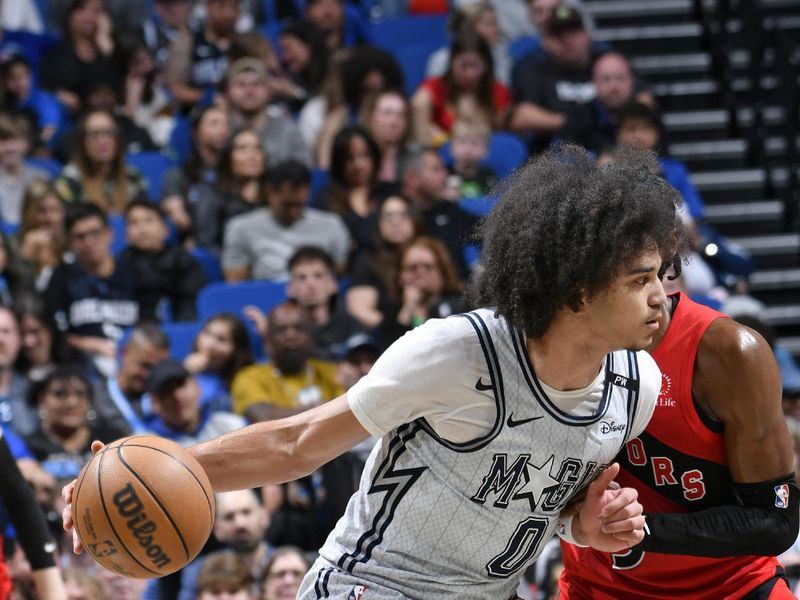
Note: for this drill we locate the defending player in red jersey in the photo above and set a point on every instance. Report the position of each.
(713, 470)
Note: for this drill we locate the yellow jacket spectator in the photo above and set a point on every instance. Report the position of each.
(293, 381)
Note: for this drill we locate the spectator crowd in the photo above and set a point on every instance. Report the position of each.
(148, 155)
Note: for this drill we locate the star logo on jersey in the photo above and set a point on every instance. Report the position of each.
(537, 480)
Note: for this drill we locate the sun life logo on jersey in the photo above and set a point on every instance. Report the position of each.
(665, 396)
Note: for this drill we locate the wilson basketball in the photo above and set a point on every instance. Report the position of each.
(143, 507)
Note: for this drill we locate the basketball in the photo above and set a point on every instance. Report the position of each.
(143, 507)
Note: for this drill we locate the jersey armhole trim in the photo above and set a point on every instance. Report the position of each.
(496, 377)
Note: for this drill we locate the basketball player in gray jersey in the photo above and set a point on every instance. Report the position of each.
(492, 421)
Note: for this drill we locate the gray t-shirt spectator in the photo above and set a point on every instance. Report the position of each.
(282, 140)
(256, 241)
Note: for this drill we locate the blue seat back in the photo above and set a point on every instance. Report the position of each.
(210, 264)
(233, 297)
(153, 166)
(181, 337)
(118, 241)
(396, 33)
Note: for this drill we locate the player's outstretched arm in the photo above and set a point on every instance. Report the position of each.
(281, 450)
(609, 520)
(737, 381)
(270, 452)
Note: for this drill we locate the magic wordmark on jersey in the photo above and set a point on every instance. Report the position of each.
(518, 479)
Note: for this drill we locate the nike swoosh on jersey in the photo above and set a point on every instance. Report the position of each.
(512, 423)
(482, 387)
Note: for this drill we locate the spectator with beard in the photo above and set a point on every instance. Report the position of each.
(340, 28)
(248, 93)
(293, 381)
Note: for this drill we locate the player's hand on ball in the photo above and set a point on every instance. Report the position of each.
(66, 514)
(610, 520)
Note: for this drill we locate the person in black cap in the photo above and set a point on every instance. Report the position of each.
(558, 76)
(175, 398)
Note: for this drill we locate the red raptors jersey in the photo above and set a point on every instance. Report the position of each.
(678, 464)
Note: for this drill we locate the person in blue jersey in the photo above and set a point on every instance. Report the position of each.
(491, 422)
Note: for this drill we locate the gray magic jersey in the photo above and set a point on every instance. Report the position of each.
(438, 519)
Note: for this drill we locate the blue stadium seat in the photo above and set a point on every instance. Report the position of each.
(394, 34)
(180, 140)
(209, 263)
(48, 165)
(506, 153)
(181, 337)
(413, 60)
(9, 229)
(153, 166)
(118, 241)
(233, 297)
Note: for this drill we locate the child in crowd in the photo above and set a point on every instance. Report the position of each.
(15, 175)
(161, 273)
(469, 146)
(22, 94)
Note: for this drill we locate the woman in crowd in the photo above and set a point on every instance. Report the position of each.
(467, 85)
(184, 186)
(481, 18)
(221, 349)
(98, 172)
(43, 348)
(62, 444)
(387, 116)
(365, 72)
(399, 223)
(71, 67)
(283, 574)
(425, 286)
(41, 238)
(305, 61)
(355, 161)
(238, 189)
(144, 99)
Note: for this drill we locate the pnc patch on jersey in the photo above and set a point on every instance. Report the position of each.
(782, 496)
(357, 593)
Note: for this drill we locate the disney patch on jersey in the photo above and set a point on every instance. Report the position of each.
(782, 496)
(357, 593)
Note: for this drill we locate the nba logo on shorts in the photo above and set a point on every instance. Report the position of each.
(781, 496)
(357, 593)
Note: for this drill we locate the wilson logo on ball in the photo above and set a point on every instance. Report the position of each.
(130, 506)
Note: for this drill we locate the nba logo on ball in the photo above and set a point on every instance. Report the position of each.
(781, 496)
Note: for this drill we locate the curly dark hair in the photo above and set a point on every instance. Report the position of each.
(565, 226)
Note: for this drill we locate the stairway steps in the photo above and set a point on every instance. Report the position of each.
(745, 218)
(714, 154)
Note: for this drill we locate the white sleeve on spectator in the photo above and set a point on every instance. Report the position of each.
(340, 242)
(235, 253)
